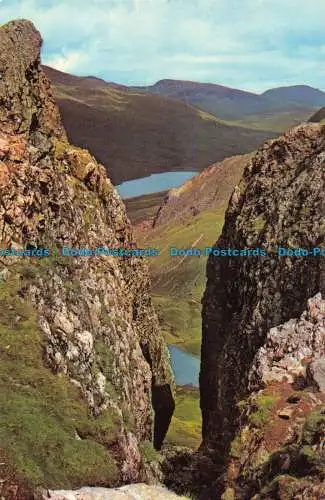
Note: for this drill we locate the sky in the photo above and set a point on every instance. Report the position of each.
(248, 44)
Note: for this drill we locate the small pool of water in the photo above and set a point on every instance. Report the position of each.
(153, 183)
(186, 366)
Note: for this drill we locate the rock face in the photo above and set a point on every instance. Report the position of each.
(98, 327)
(292, 348)
(130, 492)
(279, 203)
(278, 451)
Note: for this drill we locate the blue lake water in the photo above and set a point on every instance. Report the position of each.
(186, 366)
(153, 183)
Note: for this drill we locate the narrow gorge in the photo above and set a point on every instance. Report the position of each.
(87, 392)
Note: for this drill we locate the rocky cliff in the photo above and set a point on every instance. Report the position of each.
(280, 202)
(278, 451)
(82, 358)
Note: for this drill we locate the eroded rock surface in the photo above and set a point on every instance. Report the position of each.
(293, 348)
(98, 325)
(130, 492)
(278, 450)
(280, 202)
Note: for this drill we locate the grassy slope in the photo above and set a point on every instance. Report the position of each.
(278, 111)
(44, 410)
(135, 134)
(177, 282)
(273, 120)
(277, 122)
(185, 428)
(177, 296)
(142, 208)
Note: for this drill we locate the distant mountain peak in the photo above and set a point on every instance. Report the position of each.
(302, 94)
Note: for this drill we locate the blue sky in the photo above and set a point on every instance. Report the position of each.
(247, 44)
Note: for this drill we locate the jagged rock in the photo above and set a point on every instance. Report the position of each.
(99, 327)
(290, 347)
(316, 373)
(285, 413)
(294, 398)
(281, 203)
(129, 492)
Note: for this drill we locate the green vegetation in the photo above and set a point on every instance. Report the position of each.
(287, 484)
(178, 283)
(229, 494)
(180, 322)
(236, 447)
(275, 121)
(32, 269)
(207, 116)
(264, 404)
(185, 428)
(309, 453)
(259, 224)
(148, 453)
(314, 426)
(45, 427)
(104, 358)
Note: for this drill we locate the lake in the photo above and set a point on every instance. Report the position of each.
(153, 183)
(186, 366)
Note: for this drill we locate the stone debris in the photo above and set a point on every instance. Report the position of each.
(285, 413)
(316, 373)
(130, 492)
(292, 349)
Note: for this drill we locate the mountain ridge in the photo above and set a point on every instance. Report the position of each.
(145, 133)
(244, 107)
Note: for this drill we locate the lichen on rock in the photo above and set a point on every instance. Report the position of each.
(251, 303)
(96, 322)
(291, 348)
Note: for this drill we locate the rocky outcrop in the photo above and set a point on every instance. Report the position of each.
(130, 492)
(293, 351)
(279, 203)
(95, 318)
(278, 451)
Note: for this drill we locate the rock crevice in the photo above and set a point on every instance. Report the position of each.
(279, 203)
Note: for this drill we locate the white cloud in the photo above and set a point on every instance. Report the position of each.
(66, 62)
(233, 42)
